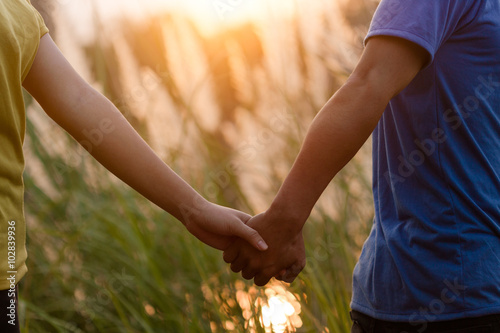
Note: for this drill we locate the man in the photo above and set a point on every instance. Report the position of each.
(428, 87)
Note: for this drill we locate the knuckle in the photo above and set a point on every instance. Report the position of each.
(247, 275)
(262, 279)
(229, 256)
(235, 268)
(261, 283)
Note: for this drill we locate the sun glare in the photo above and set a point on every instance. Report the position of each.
(213, 15)
(209, 15)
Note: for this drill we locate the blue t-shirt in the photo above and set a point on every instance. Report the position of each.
(434, 249)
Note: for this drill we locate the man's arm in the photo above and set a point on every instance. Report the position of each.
(83, 112)
(387, 66)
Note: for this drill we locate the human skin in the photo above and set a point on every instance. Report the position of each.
(387, 66)
(79, 109)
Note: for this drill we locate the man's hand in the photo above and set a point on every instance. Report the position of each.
(285, 258)
(387, 66)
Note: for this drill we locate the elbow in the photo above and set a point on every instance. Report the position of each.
(368, 88)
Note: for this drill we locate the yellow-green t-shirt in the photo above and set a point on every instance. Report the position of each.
(21, 28)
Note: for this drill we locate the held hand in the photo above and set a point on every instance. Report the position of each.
(219, 226)
(284, 259)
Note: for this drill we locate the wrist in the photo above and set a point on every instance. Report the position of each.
(193, 211)
(295, 216)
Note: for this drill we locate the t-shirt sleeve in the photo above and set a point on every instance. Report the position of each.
(41, 24)
(428, 23)
(40, 28)
(39, 19)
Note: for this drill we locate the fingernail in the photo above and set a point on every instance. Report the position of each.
(262, 245)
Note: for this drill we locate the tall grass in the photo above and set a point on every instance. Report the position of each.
(103, 259)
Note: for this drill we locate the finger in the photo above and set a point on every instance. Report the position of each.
(280, 275)
(243, 216)
(248, 273)
(231, 253)
(261, 279)
(265, 274)
(239, 264)
(237, 267)
(289, 276)
(250, 235)
(292, 272)
(230, 241)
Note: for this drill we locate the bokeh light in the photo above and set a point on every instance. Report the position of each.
(278, 310)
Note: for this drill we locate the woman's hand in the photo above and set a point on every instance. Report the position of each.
(219, 226)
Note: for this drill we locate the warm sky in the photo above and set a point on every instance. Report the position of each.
(209, 14)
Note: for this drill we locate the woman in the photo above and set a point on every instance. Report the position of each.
(30, 59)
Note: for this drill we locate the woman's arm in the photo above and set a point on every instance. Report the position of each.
(102, 130)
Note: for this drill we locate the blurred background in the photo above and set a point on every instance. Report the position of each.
(223, 91)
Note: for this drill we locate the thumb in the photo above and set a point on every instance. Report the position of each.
(250, 235)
